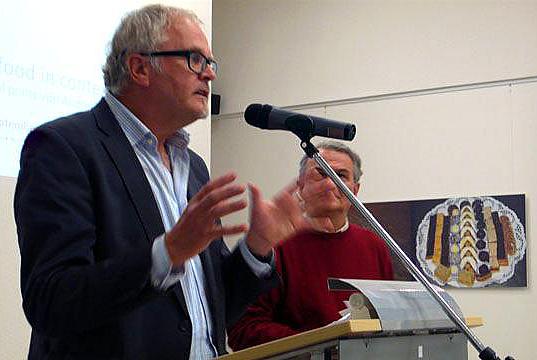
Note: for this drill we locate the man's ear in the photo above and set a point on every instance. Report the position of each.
(139, 69)
(355, 188)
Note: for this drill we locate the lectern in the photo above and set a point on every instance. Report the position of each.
(364, 339)
(387, 320)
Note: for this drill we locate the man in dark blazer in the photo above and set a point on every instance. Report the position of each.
(121, 245)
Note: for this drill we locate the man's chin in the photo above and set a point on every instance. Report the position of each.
(325, 211)
(203, 115)
(198, 108)
(200, 114)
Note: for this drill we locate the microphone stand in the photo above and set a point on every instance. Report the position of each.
(305, 135)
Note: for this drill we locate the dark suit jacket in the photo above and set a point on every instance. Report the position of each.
(86, 218)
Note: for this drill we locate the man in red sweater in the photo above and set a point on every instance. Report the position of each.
(334, 249)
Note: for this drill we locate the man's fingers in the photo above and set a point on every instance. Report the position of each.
(255, 195)
(292, 214)
(215, 184)
(219, 195)
(291, 187)
(286, 197)
(287, 203)
(288, 200)
(231, 230)
(228, 207)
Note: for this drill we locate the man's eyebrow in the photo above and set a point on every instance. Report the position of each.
(341, 170)
(200, 50)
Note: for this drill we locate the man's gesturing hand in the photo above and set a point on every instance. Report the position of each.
(272, 221)
(199, 225)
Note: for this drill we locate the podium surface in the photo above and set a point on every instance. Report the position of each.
(363, 339)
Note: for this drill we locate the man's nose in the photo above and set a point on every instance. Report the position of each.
(208, 74)
(328, 184)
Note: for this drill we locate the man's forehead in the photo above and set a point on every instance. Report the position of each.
(185, 33)
(342, 158)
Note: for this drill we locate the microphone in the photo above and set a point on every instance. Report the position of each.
(304, 126)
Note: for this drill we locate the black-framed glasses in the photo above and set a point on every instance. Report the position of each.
(197, 62)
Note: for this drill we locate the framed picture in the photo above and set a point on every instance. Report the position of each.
(465, 242)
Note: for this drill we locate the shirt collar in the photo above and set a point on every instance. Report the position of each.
(340, 230)
(134, 128)
(344, 227)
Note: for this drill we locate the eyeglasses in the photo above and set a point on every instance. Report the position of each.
(196, 62)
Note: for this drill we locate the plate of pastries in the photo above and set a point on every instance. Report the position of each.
(470, 242)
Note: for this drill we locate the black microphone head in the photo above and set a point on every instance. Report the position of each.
(349, 132)
(257, 115)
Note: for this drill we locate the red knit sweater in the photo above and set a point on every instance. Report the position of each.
(303, 302)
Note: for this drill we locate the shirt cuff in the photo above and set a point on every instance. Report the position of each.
(163, 273)
(261, 269)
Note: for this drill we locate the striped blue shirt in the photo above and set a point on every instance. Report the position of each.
(170, 191)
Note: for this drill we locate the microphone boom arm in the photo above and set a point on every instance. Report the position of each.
(485, 353)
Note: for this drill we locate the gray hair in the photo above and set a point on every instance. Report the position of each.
(141, 30)
(339, 147)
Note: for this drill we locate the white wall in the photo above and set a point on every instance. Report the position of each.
(474, 141)
(295, 52)
(15, 331)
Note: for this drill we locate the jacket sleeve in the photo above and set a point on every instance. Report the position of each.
(64, 289)
(260, 322)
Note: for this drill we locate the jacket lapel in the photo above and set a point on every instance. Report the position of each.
(122, 154)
